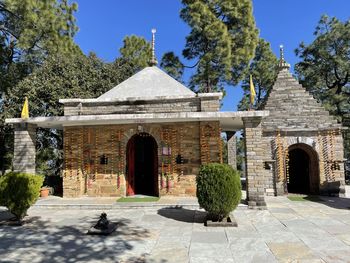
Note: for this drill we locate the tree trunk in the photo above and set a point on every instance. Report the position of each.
(2, 151)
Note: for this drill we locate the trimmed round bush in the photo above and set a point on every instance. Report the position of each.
(18, 191)
(218, 190)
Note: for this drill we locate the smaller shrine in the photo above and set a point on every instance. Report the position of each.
(304, 151)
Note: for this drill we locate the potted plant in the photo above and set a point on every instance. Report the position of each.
(218, 192)
(44, 191)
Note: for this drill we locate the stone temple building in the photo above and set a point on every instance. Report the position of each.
(150, 134)
(303, 144)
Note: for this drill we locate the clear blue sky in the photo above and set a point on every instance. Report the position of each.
(103, 25)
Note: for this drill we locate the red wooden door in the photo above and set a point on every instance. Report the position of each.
(130, 190)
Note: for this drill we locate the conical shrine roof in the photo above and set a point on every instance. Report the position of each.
(291, 106)
(151, 82)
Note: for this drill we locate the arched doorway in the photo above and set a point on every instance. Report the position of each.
(303, 174)
(142, 165)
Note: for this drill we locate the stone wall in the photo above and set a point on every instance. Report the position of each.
(209, 103)
(84, 145)
(255, 153)
(328, 148)
(231, 150)
(125, 107)
(192, 104)
(24, 148)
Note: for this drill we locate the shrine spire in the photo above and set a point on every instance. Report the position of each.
(282, 62)
(153, 61)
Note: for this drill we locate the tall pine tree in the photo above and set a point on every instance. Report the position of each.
(222, 40)
(324, 68)
(172, 65)
(62, 77)
(30, 30)
(263, 69)
(137, 51)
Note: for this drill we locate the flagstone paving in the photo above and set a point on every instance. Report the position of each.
(289, 231)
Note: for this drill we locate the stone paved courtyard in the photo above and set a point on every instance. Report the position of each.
(289, 231)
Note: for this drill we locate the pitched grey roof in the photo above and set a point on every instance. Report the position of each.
(291, 106)
(148, 83)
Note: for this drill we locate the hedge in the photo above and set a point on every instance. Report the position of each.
(218, 190)
(18, 191)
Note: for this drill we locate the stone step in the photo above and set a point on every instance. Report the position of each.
(301, 107)
(53, 203)
(117, 206)
(292, 96)
(314, 113)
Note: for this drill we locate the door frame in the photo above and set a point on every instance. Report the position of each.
(314, 173)
(130, 166)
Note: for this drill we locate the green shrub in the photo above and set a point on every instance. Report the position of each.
(18, 191)
(218, 190)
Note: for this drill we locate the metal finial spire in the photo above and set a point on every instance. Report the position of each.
(282, 63)
(153, 60)
(281, 53)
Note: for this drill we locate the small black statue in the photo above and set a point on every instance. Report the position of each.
(103, 222)
(102, 227)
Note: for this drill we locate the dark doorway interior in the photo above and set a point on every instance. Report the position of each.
(142, 165)
(299, 172)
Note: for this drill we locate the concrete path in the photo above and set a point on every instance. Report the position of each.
(289, 231)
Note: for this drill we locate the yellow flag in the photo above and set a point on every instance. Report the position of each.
(252, 91)
(25, 109)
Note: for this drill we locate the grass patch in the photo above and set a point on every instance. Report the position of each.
(296, 198)
(313, 198)
(138, 199)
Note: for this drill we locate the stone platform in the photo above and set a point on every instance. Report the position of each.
(288, 231)
(109, 203)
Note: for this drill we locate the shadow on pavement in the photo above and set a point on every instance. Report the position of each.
(334, 202)
(183, 214)
(331, 201)
(67, 241)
